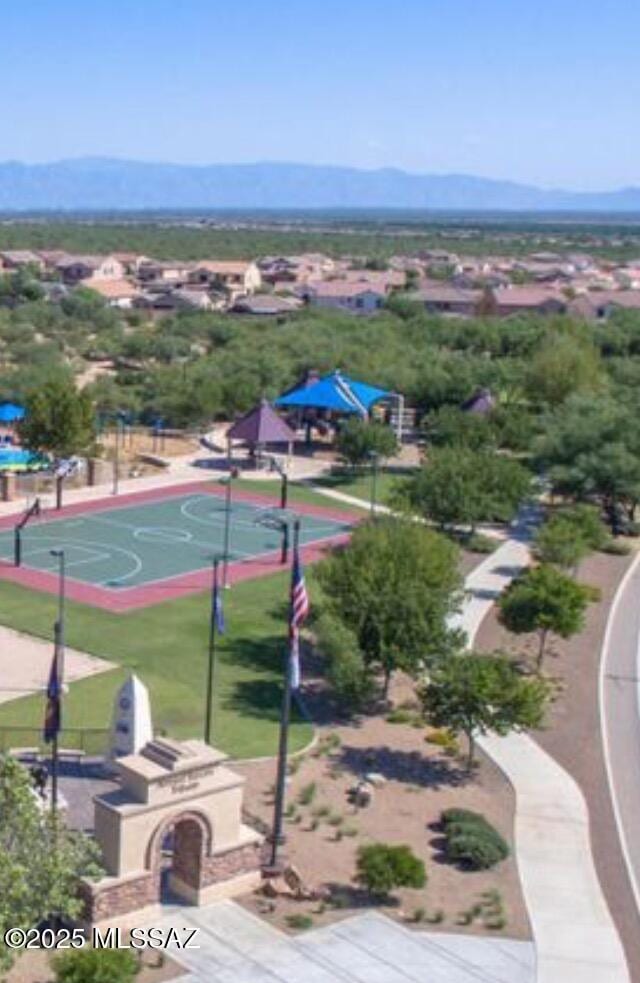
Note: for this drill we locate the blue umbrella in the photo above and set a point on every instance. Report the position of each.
(10, 412)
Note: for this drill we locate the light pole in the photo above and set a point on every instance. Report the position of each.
(58, 634)
(374, 480)
(214, 628)
(116, 456)
(227, 526)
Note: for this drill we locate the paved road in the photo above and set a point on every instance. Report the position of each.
(620, 702)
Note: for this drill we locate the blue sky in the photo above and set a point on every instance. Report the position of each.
(547, 93)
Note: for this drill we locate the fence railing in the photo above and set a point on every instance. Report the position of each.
(91, 741)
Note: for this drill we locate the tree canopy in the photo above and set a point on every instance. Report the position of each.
(473, 693)
(544, 600)
(40, 858)
(394, 586)
(59, 420)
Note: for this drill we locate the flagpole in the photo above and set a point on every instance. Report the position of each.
(212, 652)
(277, 837)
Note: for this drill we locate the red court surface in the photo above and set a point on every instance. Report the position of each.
(156, 591)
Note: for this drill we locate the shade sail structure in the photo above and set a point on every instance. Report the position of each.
(335, 392)
(261, 425)
(11, 412)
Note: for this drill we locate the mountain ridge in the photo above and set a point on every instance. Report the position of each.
(106, 183)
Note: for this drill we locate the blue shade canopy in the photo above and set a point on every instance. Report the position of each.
(10, 412)
(335, 392)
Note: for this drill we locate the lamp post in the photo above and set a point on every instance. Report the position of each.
(116, 457)
(214, 628)
(374, 480)
(58, 634)
(227, 526)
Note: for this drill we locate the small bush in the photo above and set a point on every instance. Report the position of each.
(481, 544)
(381, 867)
(399, 716)
(471, 840)
(615, 548)
(95, 966)
(320, 812)
(299, 923)
(307, 794)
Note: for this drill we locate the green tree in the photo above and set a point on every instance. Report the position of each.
(472, 693)
(96, 966)
(347, 671)
(381, 867)
(461, 487)
(544, 600)
(359, 440)
(40, 859)
(59, 420)
(591, 450)
(566, 363)
(394, 587)
(557, 542)
(450, 426)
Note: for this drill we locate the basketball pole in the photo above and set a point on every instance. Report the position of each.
(212, 655)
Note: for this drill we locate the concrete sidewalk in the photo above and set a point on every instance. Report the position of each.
(576, 939)
(237, 947)
(25, 662)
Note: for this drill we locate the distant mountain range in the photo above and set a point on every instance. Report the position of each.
(108, 184)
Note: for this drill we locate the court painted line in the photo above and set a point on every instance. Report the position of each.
(62, 541)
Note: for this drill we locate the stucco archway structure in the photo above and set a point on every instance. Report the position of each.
(182, 788)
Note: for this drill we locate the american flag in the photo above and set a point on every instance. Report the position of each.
(298, 615)
(52, 712)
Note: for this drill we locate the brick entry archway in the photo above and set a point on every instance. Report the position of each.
(192, 843)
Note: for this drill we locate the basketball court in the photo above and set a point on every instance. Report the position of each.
(143, 548)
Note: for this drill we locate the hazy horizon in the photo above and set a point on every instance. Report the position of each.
(542, 95)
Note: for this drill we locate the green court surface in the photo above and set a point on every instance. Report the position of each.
(132, 545)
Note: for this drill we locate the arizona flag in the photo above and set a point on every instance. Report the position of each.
(298, 614)
(52, 712)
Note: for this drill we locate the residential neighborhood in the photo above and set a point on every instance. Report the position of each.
(445, 283)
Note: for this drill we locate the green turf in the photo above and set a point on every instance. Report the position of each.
(361, 485)
(166, 646)
(297, 495)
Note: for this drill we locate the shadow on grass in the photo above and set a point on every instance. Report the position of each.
(259, 698)
(253, 653)
(404, 766)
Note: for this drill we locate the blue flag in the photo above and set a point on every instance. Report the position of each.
(52, 713)
(218, 612)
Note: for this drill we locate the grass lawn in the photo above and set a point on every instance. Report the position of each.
(360, 485)
(166, 645)
(297, 494)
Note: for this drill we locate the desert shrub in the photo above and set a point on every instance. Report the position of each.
(615, 548)
(307, 794)
(471, 840)
(381, 867)
(481, 544)
(95, 966)
(299, 922)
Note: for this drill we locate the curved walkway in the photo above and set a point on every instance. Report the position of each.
(576, 939)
